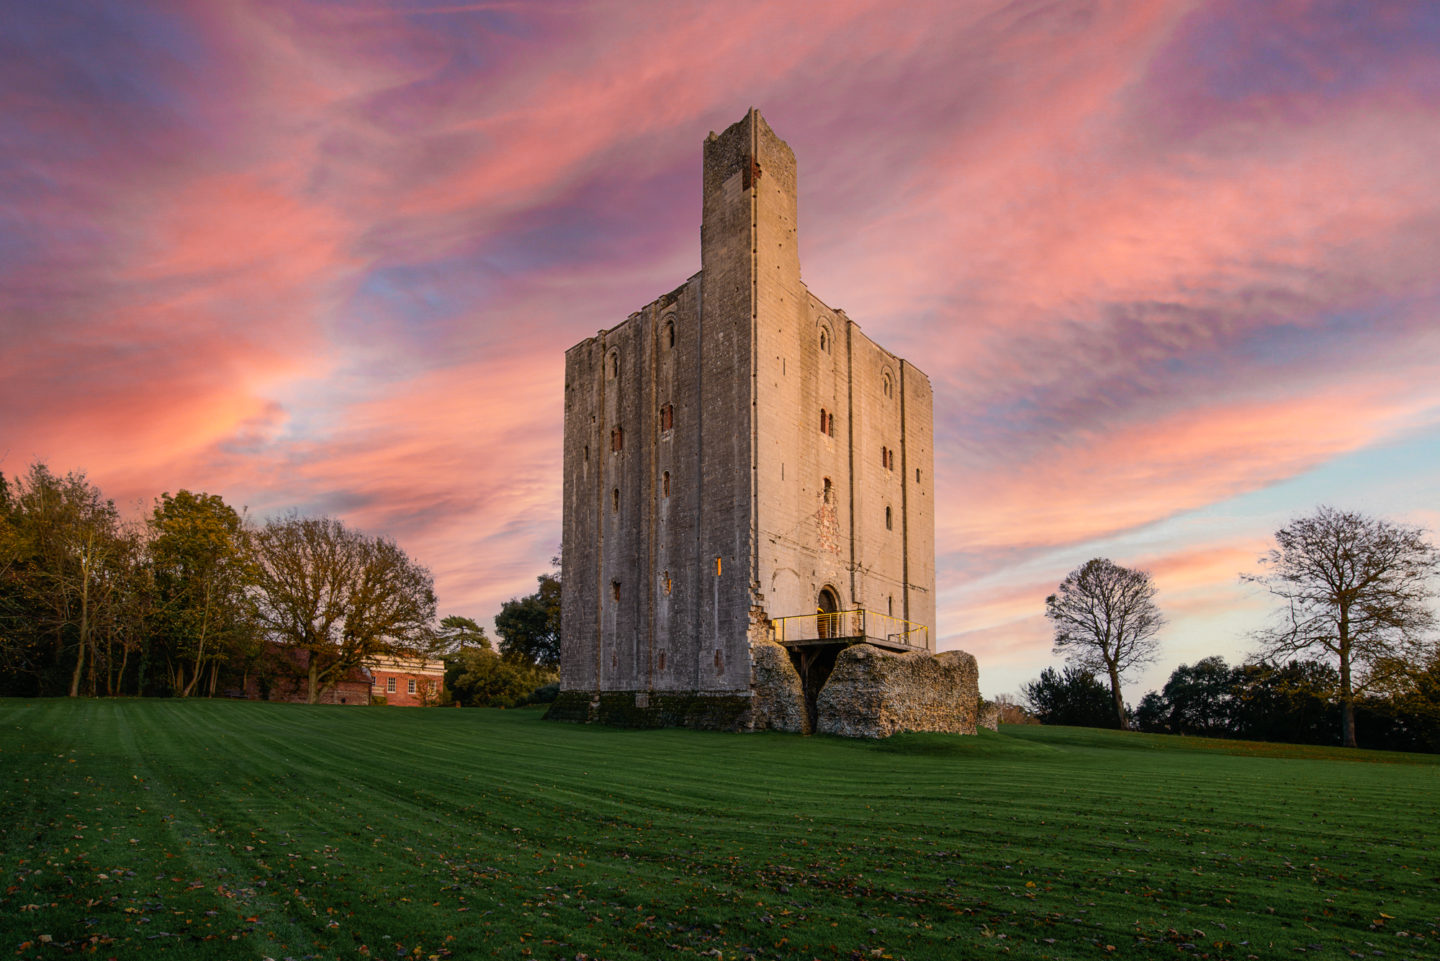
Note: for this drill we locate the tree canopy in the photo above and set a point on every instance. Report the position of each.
(529, 627)
(331, 597)
(1105, 621)
(1355, 591)
(1073, 696)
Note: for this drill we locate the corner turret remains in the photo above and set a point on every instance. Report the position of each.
(748, 493)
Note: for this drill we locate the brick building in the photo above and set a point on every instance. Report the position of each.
(406, 681)
(742, 463)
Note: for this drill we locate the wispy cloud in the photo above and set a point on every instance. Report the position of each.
(1154, 256)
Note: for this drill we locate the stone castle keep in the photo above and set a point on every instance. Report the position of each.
(748, 497)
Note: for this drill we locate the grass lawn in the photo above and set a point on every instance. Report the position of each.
(136, 829)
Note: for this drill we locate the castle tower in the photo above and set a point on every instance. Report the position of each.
(741, 464)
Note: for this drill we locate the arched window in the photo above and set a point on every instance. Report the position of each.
(614, 364)
(830, 425)
(670, 333)
(665, 484)
(824, 421)
(887, 385)
(825, 341)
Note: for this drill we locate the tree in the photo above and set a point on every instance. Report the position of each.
(529, 627)
(202, 565)
(478, 677)
(69, 559)
(457, 633)
(1200, 697)
(1354, 590)
(1073, 697)
(331, 597)
(1105, 621)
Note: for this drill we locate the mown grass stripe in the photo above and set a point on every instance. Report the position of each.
(301, 831)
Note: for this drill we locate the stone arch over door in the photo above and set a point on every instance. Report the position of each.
(827, 608)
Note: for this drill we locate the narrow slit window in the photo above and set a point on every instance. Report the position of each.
(889, 522)
(823, 420)
(917, 475)
(670, 333)
(830, 425)
(890, 603)
(662, 660)
(667, 417)
(587, 453)
(884, 457)
(717, 567)
(829, 491)
(615, 500)
(615, 590)
(824, 341)
(617, 439)
(667, 583)
(665, 484)
(614, 364)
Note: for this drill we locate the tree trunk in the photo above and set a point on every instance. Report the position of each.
(1347, 695)
(79, 670)
(1347, 702)
(312, 694)
(124, 659)
(1119, 697)
(84, 634)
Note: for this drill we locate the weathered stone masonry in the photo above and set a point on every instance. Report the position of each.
(737, 452)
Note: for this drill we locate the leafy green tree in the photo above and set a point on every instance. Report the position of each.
(1073, 697)
(1105, 622)
(69, 555)
(1356, 591)
(479, 677)
(1200, 697)
(457, 633)
(529, 627)
(1292, 702)
(331, 597)
(203, 569)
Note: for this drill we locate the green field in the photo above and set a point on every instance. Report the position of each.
(228, 830)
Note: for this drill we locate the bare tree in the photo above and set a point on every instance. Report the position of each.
(1356, 589)
(333, 597)
(1105, 621)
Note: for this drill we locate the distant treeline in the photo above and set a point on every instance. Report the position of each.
(194, 600)
(1293, 702)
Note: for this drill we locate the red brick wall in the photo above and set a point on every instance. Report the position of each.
(427, 688)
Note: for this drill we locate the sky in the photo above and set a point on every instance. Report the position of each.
(1171, 267)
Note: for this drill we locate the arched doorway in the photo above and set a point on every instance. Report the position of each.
(827, 621)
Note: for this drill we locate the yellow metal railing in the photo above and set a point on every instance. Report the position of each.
(858, 624)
